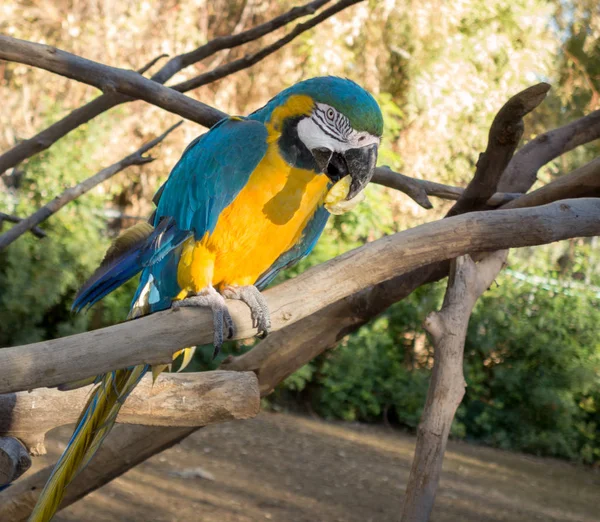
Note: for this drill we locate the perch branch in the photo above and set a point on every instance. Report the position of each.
(50, 363)
(448, 330)
(104, 102)
(176, 399)
(521, 172)
(504, 136)
(137, 158)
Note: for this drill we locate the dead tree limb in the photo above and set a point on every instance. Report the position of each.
(107, 79)
(126, 447)
(36, 231)
(504, 137)
(521, 172)
(448, 330)
(176, 399)
(104, 102)
(14, 460)
(50, 363)
(137, 158)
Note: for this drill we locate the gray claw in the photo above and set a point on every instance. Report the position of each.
(221, 317)
(261, 317)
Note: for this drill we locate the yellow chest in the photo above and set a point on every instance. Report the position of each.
(265, 220)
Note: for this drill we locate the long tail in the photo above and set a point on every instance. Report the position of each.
(94, 424)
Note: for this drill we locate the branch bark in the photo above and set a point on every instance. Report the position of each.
(36, 231)
(87, 112)
(521, 172)
(448, 330)
(137, 158)
(505, 134)
(126, 447)
(14, 460)
(50, 363)
(176, 399)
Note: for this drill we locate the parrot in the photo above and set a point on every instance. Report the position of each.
(247, 199)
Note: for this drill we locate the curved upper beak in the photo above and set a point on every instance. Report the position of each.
(358, 163)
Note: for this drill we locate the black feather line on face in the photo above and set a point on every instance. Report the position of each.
(292, 149)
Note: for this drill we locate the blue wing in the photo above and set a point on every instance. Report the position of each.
(212, 171)
(301, 249)
(210, 174)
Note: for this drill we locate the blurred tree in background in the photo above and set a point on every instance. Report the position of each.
(440, 71)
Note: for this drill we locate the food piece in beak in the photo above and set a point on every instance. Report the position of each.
(335, 200)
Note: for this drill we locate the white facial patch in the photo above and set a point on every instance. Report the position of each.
(328, 128)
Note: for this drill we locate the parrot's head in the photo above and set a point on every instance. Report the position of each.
(333, 126)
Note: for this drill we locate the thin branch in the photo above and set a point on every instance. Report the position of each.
(251, 59)
(448, 330)
(47, 137)
(505, 134)
(50, 363)
(137, 158)
(521, 172)
(420, 189)
(36, 231)
(175, 399)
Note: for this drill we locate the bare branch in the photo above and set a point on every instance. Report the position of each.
(36, 231)
(176, 399)
(448, 330)
(251, 59)
(47, 137)
(420, 189)
(505, 134)
(107, 79)
(14, 460)
(50, 363)
(137, 158)
(521, 172)
(132, 444)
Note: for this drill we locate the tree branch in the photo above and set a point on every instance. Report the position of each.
(176, 399)
(521, 172)
(505, 134)
(107, 79)
(47, 137)
(448, 330)
(126, 446)
(50, 363)
(36, 231)
(14, 460)
(251, 59)
(137, 158)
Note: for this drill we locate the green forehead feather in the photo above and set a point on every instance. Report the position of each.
(345, 96)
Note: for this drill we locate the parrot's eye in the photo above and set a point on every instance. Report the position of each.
(330, 114)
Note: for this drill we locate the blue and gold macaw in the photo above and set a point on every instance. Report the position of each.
(246, 200)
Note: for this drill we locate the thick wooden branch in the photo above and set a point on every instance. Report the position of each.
(107, 79)
(14, 460)
(176, 399)
(50, 363)
(504, 136)
(137, 158)
(126, 446)
(521, 172)
(448, 330)
(47, 137)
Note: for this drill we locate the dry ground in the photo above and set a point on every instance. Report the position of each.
(296, 469)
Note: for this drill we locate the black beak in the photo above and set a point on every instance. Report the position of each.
(359, 163)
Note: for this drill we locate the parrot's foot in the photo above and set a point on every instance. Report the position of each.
(261, 317)
(210, 298)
